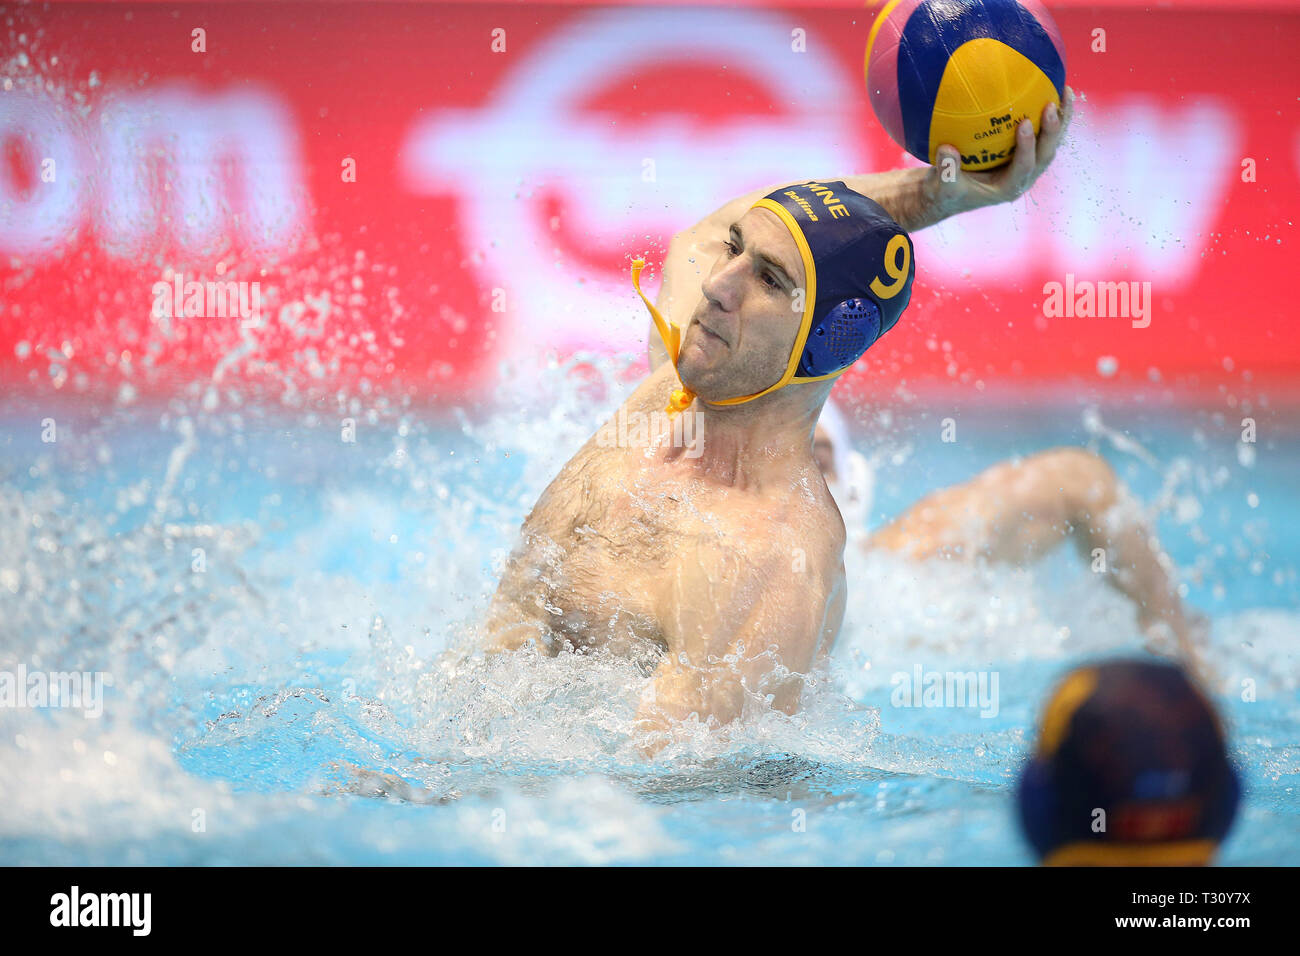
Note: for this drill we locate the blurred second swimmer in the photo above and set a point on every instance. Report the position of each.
(1131, 769)
(1020, 510)
(850, 478)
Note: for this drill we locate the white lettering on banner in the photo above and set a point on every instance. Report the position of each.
(1136, 186)
(38, 222)
(197, 132)
(532, 137)
(195, 135)
(1134, 192)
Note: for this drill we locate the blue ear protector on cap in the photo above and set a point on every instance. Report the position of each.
(842, 335)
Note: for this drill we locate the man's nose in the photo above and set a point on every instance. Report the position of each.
(724, 286)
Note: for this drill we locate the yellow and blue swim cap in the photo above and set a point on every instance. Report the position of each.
(858, 268)
(1131, 769)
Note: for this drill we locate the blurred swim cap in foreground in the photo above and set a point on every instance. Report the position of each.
(1130, 770)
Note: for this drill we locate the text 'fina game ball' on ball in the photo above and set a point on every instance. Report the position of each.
(964, 72)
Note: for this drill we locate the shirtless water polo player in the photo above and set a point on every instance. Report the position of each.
(721, 559)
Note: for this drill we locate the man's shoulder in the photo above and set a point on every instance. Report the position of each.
(807, 504)
(797, 525)
(651, 394)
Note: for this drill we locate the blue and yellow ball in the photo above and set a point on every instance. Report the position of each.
(964, 72)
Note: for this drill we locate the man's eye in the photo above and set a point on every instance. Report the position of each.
(731, 248)
(770, 280)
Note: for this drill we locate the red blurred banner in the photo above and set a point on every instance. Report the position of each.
(422, 191)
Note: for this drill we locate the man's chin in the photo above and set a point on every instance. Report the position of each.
(716, 388)
(707, 385)
(696, 374)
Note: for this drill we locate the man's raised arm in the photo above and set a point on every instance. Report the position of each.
(916, 198)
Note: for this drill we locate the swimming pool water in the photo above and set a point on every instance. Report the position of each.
(290, 703)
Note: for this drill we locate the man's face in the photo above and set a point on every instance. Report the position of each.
(739, 338)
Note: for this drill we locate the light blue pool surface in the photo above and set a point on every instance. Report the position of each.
(286, 705)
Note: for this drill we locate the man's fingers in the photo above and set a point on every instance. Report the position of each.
(1049, 136)
(1053, 128)
(1019, 173)
(1030, 158)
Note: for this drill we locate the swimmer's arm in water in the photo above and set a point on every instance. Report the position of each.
(738, 626)
(916, 198)
(1018, 511)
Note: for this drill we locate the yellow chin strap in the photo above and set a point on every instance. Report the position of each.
(682, 397)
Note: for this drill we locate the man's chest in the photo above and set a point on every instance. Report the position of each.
(605, 534)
